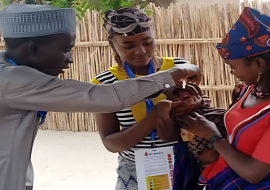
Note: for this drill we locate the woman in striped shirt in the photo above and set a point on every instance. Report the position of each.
(134, 45)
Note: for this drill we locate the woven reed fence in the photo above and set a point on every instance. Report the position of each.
(182, 30)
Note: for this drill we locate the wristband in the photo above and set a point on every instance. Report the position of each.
(215, 138)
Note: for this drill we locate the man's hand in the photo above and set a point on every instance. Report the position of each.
(187, 72)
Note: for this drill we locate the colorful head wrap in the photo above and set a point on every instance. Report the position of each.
(249, 36)
(126, 21)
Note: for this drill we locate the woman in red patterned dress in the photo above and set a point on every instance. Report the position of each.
(244, 159)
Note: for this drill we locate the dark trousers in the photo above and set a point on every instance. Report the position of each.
(29, 187)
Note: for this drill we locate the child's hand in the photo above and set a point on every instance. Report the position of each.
(236, 92)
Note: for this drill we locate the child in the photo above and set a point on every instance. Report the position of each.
(197, 144)
(187, 169)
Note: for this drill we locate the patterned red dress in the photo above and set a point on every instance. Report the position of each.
(248, 130)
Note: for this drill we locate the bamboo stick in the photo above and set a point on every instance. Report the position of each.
(158, 41)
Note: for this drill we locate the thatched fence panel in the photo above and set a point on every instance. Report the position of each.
(182, 30)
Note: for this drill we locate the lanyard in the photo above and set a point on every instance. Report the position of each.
(41, 114)
(149, 103)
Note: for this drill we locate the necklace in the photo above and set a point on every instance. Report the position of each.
(258, 93)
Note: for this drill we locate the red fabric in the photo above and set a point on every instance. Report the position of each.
(254, 141)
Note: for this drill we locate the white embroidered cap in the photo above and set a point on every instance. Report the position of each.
(25, 20)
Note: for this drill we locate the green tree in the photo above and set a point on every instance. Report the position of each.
(62, 3)
(5, 2)
(82, 6)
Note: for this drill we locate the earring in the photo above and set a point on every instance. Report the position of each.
(259, 77)
(258, 91)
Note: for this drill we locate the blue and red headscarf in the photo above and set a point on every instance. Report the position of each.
(249, 36)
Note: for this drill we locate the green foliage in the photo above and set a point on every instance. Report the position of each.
(5, 2)
(62, 3)
(148, 10)
(82, 6)
(102, 6)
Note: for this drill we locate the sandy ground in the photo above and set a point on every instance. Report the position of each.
(68, 161)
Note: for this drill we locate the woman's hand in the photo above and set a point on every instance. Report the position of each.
(199, 126)
(166, 129)
(164, 109)
(187, 72)
(167, 108)
(186, 106)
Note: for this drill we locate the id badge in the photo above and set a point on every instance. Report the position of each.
(155, 168)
